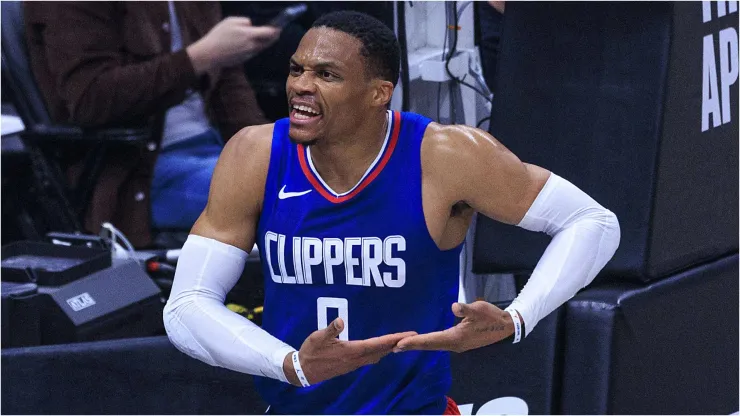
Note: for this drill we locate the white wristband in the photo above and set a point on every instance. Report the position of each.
(517, 325)
(299, 370)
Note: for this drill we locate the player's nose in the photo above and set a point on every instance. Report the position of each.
(303, 84)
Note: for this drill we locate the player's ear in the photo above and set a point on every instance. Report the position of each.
(382, 92)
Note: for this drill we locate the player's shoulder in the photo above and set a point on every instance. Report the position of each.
(446, 147)
(250, 143)
(246, 155)
(241, 171)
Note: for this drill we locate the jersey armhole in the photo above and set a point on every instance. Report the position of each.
(277, 154)
(421, 129)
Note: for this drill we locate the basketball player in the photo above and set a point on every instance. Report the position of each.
(360, 214)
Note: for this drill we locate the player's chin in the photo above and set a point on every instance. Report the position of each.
(300, 136)
(305, 133)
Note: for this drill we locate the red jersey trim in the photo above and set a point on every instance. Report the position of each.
(311, 176)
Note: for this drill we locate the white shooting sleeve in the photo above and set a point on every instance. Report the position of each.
(585, 236)
(199, 324)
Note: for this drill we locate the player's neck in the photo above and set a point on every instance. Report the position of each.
(343, 161)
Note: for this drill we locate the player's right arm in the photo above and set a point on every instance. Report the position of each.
(210, 264)
(212, 260)
(237, 189)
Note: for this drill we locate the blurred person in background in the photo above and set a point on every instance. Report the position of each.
(174, 65)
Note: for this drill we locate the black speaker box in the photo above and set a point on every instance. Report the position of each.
(49, 264)
(117, 302)
(635, 103)
(20, 315)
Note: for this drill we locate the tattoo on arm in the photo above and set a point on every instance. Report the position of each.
(491, 328)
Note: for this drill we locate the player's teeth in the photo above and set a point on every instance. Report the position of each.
(306, 109)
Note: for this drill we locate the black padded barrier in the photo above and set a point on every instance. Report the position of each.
(149, 376)
(126, 376)
(609, 96)
(667, 348)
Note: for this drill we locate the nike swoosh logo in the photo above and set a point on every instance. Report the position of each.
(285, 195)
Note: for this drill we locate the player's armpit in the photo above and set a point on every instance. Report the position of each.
(472, 166)
(237, 189)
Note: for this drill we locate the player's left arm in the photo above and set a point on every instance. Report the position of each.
(468, 165)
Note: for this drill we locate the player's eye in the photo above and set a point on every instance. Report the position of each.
(295, 70)
(327, 75)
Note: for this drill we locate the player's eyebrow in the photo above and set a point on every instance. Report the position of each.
(320, 65)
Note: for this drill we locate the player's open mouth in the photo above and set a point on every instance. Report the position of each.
(303, 114)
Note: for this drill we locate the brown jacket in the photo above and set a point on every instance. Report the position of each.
(109, 64)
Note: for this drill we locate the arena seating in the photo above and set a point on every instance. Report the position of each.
(62, 205)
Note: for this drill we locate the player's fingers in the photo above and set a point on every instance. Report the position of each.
(372, 350)
(391, 340)
(460, 309)
(384, 343)
(332, 330)
(447, 340)
(378, 345)
(471, 310)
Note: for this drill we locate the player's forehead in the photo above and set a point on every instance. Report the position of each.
(328, 47)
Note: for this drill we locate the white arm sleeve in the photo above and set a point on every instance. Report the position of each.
(198, 323)
(585, 236)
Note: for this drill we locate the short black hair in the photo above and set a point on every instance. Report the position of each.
(379, 44)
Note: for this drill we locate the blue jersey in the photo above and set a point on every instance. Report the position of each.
(366, 256)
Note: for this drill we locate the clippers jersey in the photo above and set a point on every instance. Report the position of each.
(366, 256)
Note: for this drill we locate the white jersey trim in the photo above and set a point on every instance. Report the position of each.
(369, 169)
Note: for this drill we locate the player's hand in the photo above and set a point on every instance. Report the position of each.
(483, 324)
(323, 356)
(232, 41)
